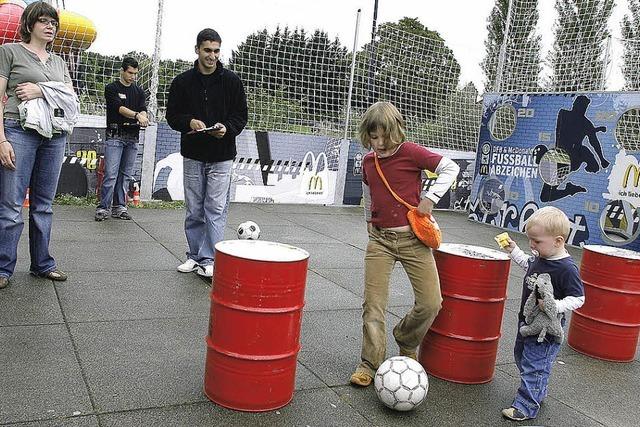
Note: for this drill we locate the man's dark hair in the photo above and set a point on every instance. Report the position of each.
(129, 62)
(30, 16)
(207, 35)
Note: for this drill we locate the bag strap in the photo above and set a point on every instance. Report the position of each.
(395, 196)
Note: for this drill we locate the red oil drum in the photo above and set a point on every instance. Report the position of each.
(462, 343)
(607, 326)
(257, 297)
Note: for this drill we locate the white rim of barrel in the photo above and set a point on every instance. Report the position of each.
(262, 250)
(613, 251)
(475, 252)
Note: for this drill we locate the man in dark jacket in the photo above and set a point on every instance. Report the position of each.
(208, 106)
(126, 114)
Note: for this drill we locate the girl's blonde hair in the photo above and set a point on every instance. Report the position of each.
(386, 117)
(552, 220)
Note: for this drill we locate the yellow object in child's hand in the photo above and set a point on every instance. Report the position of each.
(502, 239)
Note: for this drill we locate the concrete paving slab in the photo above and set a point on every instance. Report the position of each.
(308, 408)
(78, 421)
(157, 215)
(323, 294)
(451, 404)
(71, 213)
(293, 234)
(400, 292)
(600, 389)
(308, 209)
(29, 300)
(105, 231)
(331, 344)
(119, 256)
(143, 363)
(40, 375)
(149, 370)
(168, 231)
(133, 296)
(306, 379)
(349, 229)
(333, 255)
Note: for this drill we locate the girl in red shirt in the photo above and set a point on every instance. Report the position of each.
(390, 237)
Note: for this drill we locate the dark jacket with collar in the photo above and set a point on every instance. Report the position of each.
(218, 97)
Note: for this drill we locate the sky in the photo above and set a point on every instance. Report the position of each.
(126, 25)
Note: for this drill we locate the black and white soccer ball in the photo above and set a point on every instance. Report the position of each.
(248, 230)
(401, 383)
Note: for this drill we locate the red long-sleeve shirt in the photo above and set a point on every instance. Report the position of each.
(403, 172)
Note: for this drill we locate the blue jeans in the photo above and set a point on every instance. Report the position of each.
(206, 195)
(534, 361)
(38, 163)
(119, 158)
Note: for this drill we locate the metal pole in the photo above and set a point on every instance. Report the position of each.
(503, 49)
(605, 64)
(372, 50)
(353, 70)
(153, 98)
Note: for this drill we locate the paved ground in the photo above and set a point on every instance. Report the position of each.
(121, 343)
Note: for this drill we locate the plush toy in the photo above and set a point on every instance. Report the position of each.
(546, 321)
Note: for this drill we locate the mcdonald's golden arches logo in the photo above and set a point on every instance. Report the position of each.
(315, 183)
(627, 175)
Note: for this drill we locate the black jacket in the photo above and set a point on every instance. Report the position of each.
(218, 97)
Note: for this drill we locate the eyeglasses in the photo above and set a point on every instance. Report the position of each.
(46, 22)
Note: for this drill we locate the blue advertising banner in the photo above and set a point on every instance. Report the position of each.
(576, 151)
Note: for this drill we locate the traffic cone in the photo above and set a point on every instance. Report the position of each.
(136, 194)
(25, 204)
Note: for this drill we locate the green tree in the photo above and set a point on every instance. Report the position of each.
(578, 55)
(308, 70)
(631, 43)
(414, 69)
(521, 63)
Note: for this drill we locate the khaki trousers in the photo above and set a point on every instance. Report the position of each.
(384, 249)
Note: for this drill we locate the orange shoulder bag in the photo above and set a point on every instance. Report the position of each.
(424, 227)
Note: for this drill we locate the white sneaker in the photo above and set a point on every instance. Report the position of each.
(189, 266)
(205, 271)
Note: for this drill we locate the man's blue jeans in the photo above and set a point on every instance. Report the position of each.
(534, 361)
(38, 163)
(119, 158)
(206, 195)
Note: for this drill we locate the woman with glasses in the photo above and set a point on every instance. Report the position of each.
(27, 159)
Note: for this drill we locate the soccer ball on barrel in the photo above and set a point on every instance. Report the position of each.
(401, 383)
(248, 230)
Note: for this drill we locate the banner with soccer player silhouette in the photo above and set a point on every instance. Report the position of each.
(576, 151)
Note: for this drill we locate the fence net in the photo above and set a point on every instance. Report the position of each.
(298, 81)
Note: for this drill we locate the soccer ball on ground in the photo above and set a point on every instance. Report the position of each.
(248, 230)
(401, 383)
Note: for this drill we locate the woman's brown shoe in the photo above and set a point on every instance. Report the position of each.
(361, 379)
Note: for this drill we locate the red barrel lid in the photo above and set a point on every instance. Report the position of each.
(262, 250)
(613, 251)
(470, 251)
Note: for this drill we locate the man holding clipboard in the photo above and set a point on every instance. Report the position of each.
(208, 106)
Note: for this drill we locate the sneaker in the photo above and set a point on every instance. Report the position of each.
(122, 215)
(4, 282)
(361, 379)
(188, 266)
(205, 270)
(514, 414)
(101, 215)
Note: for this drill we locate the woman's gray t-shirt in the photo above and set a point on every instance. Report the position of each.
(19, 65)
